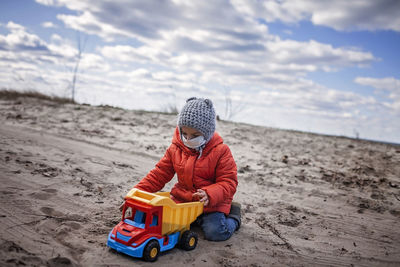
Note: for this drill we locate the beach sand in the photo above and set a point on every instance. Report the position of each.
(307, 199)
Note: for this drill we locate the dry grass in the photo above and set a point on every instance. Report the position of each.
(13, 95)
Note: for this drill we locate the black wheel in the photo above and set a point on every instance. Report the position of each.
(189, 240)
(151, 251)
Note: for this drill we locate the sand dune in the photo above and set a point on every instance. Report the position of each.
(308, 200)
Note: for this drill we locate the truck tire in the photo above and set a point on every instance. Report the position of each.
(189, 240)
(151, 251)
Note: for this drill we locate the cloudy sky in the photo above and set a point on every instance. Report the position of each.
(322, 66)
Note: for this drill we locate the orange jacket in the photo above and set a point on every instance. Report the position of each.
(215, 172)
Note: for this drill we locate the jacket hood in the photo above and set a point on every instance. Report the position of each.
(214, 141)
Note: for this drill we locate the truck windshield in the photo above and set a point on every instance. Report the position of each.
(138, 220)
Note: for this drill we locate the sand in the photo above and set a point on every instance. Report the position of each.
(307, 199)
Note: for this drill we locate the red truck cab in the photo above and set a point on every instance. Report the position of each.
(139, 223)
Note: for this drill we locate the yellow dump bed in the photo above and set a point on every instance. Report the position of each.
(176, 217)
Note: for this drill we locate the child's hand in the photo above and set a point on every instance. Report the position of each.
(202, 196)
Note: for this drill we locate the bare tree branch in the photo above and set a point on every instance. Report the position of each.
(232, 110)
(81, 44)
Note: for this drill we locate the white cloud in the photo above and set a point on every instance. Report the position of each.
(200, 37)
(313, 52)
(280, 59)
(56, 38)
(92, 62)
(341, 15)
(19, 39)
(49, 24)
(20, 42)
(390, 85)
(89, 24)
(141, 73)
(125, 53)
(28, 62)
(45, 2)
(358, 15)
(14, 26)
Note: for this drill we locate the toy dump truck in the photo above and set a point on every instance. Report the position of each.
(152, 223)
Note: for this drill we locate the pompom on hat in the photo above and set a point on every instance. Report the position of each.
(199, 114)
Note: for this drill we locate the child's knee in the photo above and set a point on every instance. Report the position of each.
(214, 232)
(215, 229)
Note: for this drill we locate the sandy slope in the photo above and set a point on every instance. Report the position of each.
(307, 199)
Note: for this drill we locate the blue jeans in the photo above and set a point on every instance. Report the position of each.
(217, 226)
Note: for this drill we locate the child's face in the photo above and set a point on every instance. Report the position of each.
(189, 133)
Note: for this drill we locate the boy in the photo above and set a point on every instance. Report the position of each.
(205, 169)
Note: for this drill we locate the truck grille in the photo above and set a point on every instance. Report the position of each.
(123, 237)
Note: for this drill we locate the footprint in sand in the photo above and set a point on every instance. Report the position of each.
(44, 194)
(51, 212)
(73, 221)
(74, 225)
(6, 192)
(60, 261)
(40, 195)
(17, 256)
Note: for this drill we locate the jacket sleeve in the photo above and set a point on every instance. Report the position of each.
(162, 173)
(226, 179)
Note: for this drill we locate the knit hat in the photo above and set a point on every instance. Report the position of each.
(199, 114)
